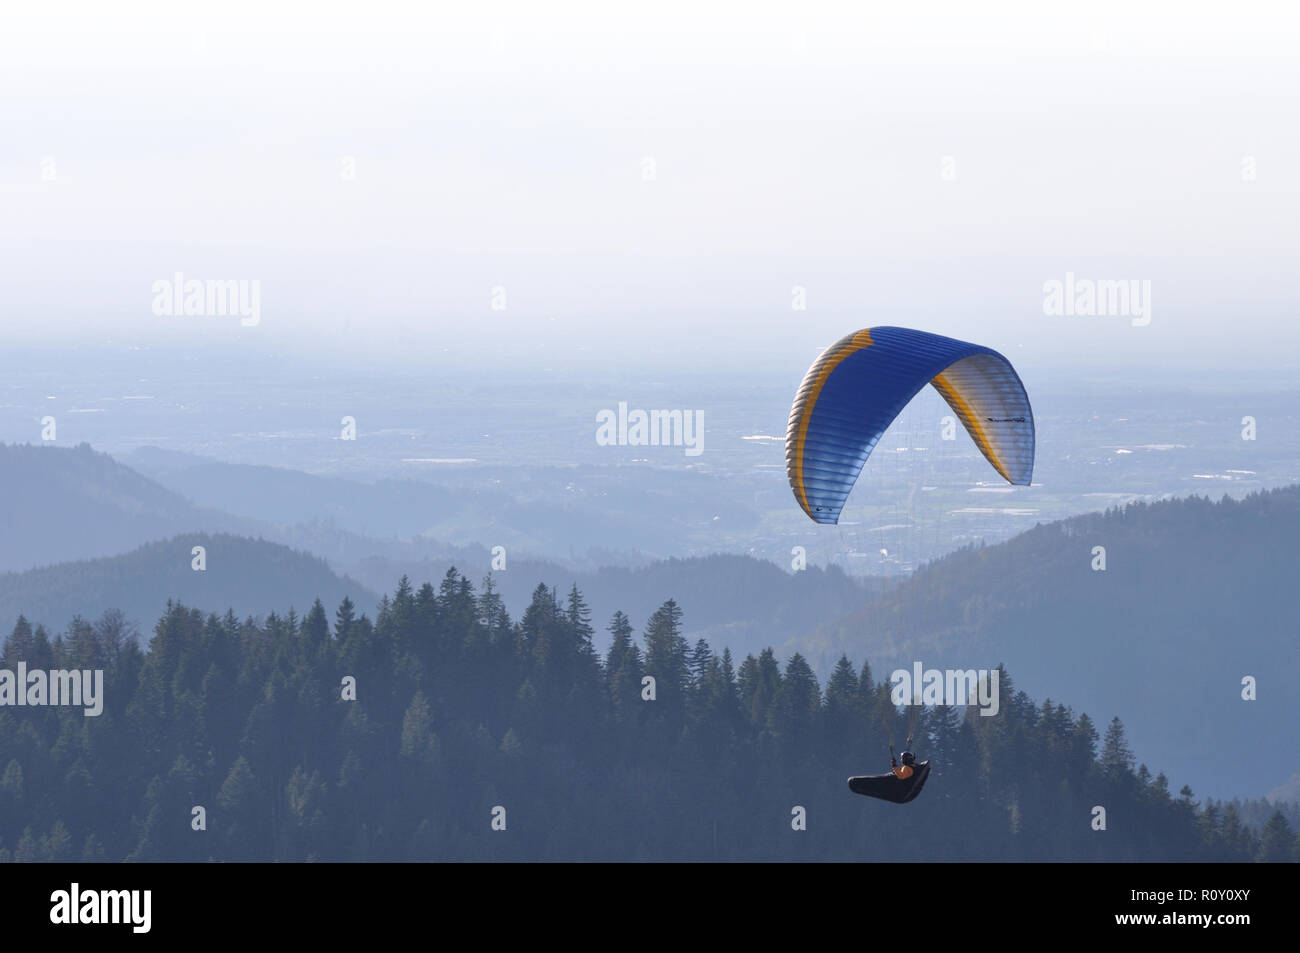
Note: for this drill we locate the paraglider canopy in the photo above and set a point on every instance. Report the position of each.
(859, 384)
(888, 787)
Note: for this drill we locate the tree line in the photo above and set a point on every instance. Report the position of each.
(446, 730)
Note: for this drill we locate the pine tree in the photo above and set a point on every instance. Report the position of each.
(344, 618)
(1082, 756)
(1116, 756)
(492, 613)
(1277, 843)
(316, 631)
(623, 668)
(698, 664)
(796, 705)
(419, 742)
(537, 624)
(845, 712)
(244, 821)
(620, 630)
(1237, 838)
(56, 846)
(666, 652)
(20, 646)
(28, 849)
(579, 617)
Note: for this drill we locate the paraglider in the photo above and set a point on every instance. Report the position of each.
(850, 396)
(903, 782)
(859, 384)
(891, 787)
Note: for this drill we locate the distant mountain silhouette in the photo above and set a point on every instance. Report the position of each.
(560, 512)
(1193, 599)
(250, 576)
(69, 503)
(63, 503)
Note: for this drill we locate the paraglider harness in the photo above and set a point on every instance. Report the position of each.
(890, 787)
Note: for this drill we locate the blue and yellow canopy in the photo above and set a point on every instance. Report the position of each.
(859, 385)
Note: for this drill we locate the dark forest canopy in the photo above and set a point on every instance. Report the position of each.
(460, 710)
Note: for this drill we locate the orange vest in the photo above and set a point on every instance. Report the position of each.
(904, 772)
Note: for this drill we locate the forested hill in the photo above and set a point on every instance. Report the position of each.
(738, 601)
(247, 575)
(63, 503)
(1195, 596)
(463, 717)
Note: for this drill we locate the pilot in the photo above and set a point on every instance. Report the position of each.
(906, 771)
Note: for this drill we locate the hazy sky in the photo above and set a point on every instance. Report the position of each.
(652, 180)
